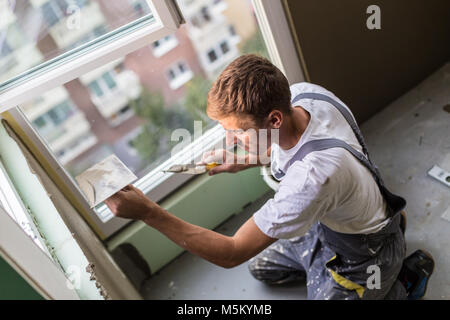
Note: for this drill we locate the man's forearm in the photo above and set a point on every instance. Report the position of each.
(209, 245)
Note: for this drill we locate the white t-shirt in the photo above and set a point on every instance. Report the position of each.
(330, 186)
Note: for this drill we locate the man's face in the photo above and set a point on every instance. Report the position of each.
(245, 134)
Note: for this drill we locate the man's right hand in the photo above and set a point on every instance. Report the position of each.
(228, 161)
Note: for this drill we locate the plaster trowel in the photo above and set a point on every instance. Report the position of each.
(104, 179)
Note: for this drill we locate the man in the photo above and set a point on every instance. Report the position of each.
(337, 226)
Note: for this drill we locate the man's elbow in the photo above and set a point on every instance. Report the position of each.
(229, 264)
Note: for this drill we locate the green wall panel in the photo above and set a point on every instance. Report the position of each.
(13, 286)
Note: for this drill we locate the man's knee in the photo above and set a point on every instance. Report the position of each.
(259, 269)
(265, 271)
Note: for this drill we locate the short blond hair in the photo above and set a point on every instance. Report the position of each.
(249, 86)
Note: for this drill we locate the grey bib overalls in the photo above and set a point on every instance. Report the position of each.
(338, 265)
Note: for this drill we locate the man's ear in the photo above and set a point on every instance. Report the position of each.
(275, 119)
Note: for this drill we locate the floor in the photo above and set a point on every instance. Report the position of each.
(405, 140)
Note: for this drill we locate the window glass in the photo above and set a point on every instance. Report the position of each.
(96, 88)
(212, 55)
(224, 46)
(107, 76)
(35, 31)
(130, 107)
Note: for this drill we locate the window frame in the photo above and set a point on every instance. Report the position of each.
(11, 203)
(273, 24)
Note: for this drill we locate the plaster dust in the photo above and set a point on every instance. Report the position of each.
(104, 179)
(90, 269)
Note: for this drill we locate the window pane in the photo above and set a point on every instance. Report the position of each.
(95, 88)
(109, 80)
(212, 56)
(224, 46)
(152, 96)
(35, 31)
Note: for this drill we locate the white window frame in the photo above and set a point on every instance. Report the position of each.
(156, 184)
(50, 74)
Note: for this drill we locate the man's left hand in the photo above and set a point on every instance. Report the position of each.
(131, 203)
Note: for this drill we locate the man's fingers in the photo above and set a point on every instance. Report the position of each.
(214, 156)
(218, 169)
(127, 188)
(208, 158)
(115, 198)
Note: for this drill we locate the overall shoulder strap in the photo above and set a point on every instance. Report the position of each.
(395, 202)
(347, 116)
(343, 110)
(323, 144)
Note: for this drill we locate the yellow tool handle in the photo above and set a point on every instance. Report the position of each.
(211, 165)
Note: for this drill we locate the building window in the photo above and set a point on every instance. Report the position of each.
(104, 84)
(212, 56)
(51, 13)
(61, 112)
(109, 80)
(5, 49)
(224, 47)
(205, 14)
(95, 88)
(178, 74)
(164, 45)
(232, 30)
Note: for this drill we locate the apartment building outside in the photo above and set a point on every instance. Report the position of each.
(215, 39)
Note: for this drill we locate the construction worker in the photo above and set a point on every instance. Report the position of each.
(332, 221)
